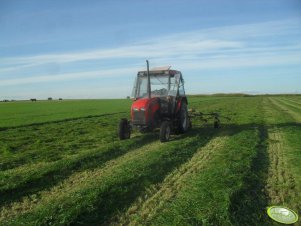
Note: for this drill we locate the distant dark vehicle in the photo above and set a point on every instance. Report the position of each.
(60, 98)
(49, 98)
(33, 99)
(128, 97)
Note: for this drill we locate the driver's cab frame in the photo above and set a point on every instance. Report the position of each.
(165, 84)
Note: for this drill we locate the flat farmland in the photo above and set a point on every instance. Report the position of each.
(62, 164)
(26, 112)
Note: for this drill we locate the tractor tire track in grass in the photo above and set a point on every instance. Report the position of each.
(204, 197)
(94, 196)
(149, 204)
(248, 204)
(295, 115)
(287, 103)
(29, 179)
(281, 185)
(298, 103)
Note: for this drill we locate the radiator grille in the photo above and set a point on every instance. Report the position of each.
(139, 117)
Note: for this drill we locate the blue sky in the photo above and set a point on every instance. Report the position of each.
(93, 49)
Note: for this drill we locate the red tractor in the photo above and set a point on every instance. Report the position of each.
(159, 102)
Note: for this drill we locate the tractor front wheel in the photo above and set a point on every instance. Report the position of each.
(124, 131)
(165, 130)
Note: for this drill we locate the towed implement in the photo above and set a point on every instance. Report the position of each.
(160, 102)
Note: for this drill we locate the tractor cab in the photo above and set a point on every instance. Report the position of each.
(163, 81)
(165, 84)
(159, 102)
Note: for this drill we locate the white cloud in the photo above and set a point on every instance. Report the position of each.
(193, 62)
(232, 61)
(69, 76)
(221, 47)
(155, 49)
(200, 41)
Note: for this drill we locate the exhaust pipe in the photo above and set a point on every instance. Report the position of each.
(148, 81)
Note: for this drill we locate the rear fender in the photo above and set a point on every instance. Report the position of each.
(179, 103)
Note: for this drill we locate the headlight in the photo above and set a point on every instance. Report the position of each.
(135, 109)
(142, 109)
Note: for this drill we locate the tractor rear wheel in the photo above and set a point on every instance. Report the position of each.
(124, 131)
(183, 120)
(165, 130)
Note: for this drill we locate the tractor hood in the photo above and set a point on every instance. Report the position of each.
(142, 104)
(143, 110)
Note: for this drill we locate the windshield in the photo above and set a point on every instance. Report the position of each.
(161, 86)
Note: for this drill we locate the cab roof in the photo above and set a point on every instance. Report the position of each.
(160, 70)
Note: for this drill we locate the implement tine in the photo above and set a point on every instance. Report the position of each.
(205, 117)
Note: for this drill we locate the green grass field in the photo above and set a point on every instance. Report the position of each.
(62, 164)
(25, 113)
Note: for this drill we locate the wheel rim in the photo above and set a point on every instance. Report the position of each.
(167, 133)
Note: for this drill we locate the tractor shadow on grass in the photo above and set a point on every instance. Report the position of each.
(119, 197)
(55, 176)
(248, 205)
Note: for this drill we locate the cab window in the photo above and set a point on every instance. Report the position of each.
(181, 88)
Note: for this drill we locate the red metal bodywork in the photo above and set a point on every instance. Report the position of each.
(179, 103)
(150, 106)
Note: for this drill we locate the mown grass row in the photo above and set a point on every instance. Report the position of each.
(240, 110)
(216, 189)
(54, 141)
(285, 180)
(292, 101)
(293, 111)
(102, 180)
(41, 156)
(31, 178)
(288, 103)
(24, 112)
(38, 198)
(296, 100)
(211, 192)
(145, 207)
(84, 195)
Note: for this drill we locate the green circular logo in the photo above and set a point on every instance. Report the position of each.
(282, 214)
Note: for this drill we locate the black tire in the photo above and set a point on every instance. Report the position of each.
(183, 119)
(165, 131)
(216, 124)
(124, 131)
